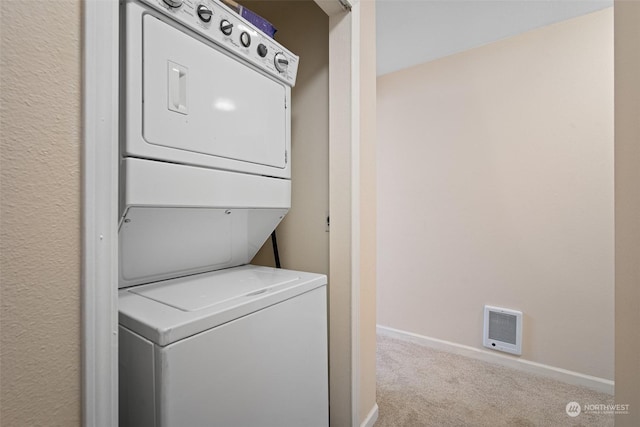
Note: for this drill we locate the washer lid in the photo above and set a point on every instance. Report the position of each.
(202, 291)
(168, 311)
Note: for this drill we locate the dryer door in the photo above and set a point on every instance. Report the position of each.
(202, 103)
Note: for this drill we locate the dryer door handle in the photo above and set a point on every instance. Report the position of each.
(177, 88)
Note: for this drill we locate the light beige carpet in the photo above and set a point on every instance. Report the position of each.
(418, 386)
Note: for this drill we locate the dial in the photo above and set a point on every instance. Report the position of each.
(226, 27)
(245, 39)
(281, 62)
(173, 3)
(204, 13)
(262, 50)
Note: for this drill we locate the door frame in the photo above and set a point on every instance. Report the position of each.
(100, 42)
(100, 36)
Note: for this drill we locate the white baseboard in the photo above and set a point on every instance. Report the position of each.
(570, 377)
(371, 418)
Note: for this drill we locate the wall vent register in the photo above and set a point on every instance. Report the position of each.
(502, 329)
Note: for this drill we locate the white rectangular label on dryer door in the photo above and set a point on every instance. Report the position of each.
(200, 100)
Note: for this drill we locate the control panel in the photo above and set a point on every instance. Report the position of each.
(218, 23)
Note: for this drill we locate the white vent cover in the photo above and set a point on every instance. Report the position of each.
(502, 329)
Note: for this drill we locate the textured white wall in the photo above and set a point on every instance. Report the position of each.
(496, 187)
(40, 221)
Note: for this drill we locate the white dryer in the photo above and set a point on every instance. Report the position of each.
(205, 338)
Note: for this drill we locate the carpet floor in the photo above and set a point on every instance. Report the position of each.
(419, 386)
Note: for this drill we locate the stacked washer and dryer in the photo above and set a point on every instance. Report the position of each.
(206, 339)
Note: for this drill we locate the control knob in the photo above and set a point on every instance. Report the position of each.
(262, 50)
(204, 13)
(245, 39)
(226, 27)
(281, 62)
(173, 3)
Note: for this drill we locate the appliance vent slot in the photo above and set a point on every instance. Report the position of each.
(503, 329)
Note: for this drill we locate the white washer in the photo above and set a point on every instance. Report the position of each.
(205, 339)
(238, 347)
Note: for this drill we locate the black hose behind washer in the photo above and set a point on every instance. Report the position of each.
(274, 242)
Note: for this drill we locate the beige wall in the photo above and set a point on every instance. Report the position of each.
(496, 187)
(368, 197)
(303, 241)
(40, 220)
(627, 194)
